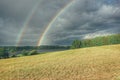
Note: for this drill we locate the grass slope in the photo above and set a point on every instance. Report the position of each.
(96, 63)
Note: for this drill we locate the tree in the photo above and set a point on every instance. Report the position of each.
(24, 53)
(12, 52)
(33, 52)
(4, 53)
(76, 44)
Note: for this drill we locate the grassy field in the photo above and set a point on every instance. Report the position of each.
(95, 63)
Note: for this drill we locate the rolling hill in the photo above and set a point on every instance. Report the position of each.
(95, 63)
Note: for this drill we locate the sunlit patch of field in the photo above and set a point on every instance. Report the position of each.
(96, 63)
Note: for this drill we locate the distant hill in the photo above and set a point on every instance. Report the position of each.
(95, 63)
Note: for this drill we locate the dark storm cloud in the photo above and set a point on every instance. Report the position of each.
(17, 9)
(13, 14)
(85, 19)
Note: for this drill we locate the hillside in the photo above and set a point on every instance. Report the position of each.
(95, 63)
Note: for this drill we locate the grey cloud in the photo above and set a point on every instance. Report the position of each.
(85, 17)
(13, 14)
(17, 9)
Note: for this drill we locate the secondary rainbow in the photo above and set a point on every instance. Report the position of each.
(25, 25)
(53, 20)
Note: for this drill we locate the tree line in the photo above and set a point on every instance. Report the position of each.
(98, 41)
(13, 51)
(18, 51)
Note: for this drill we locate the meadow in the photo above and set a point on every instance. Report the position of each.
(94, 63)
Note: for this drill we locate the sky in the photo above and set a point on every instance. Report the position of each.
(56, 22)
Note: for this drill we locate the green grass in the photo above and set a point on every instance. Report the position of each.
(95, 63)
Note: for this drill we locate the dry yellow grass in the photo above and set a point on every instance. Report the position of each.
(96, 63)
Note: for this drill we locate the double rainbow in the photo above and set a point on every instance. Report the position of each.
(29, 17)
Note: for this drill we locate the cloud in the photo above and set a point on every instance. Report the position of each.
(101, 33)
(13, 15)
(85, 19)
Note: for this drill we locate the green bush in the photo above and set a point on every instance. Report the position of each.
(3, 53)
(20, 55)
(33, 52)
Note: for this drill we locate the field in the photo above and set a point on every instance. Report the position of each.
(95, 63)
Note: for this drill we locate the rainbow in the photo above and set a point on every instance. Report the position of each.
(25, 25)
(53, 20)
(29, 17)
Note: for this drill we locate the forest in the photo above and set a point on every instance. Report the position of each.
(98, 41)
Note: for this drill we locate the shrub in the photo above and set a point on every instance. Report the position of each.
(24, 53)
(33, 52)
(3, 53)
